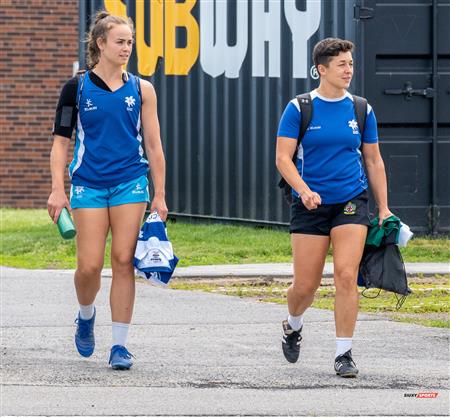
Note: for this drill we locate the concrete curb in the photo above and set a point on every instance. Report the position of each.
(279, 270)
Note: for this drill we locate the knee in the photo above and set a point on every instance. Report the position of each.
(89, 270)
(304, 289)
(121, 261)
(345, 280)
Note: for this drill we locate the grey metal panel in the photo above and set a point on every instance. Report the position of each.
(221, 156)
(219, 133)
(410, 52)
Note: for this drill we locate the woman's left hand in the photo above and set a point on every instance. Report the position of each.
(159, 205)
(383, 214)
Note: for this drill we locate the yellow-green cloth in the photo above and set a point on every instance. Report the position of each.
(377, 235)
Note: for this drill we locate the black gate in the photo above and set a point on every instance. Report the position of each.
(406, 78)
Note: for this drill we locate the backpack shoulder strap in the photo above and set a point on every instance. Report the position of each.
(138, 85)
(80, 77)
(305, 104)
(360, 104)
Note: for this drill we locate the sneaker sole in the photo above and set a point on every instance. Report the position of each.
(347, 375)
(84, 353)
(120, 367)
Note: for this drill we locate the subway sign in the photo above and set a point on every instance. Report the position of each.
(258, 32)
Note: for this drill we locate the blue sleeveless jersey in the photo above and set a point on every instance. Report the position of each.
(108, 148)
(329, 157)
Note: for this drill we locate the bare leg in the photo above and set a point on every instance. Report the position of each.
(92, 226)
(126, 221)
(309, 252)
(348, 245)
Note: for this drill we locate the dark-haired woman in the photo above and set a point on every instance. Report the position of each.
(330, 197)
(109, 185)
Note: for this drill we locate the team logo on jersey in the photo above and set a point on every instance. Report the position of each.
(130, 101)
(354, 125)
(138, 189)
(89, 106)
(350, 208)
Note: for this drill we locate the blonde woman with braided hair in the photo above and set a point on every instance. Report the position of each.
(109, 185)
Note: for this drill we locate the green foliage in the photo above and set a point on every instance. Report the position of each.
(427, 249)
(30, 240)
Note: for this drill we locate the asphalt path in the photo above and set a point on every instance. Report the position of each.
(206, 354)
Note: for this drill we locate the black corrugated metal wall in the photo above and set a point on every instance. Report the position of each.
(219, 120)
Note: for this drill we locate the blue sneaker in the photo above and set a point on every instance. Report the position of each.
(84, 336)
(120, 358)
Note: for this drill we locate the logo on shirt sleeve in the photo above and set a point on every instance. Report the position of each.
(354, 125)
(130, 101)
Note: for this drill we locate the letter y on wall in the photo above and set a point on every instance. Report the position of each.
(303, 25)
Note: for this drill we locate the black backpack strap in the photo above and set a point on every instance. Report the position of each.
(138, 84)
(80, 76)
(360, 104)
(305, 105)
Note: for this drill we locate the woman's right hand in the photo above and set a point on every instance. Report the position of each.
(56, 202)
(310, 199)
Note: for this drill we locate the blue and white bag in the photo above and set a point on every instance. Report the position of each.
(154, 259)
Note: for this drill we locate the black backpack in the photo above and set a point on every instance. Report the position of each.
(383, 268)
(304, 101)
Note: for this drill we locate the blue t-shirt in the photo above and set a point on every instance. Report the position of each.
(108, 148)
(329, 157)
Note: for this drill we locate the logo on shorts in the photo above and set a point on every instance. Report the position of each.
(138, 189)
(350, 208)
(354, 125)
(89, 105)
(78, 190)
(131, 101)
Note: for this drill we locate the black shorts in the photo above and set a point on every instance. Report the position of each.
(321, 220)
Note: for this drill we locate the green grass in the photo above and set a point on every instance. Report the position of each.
(30, 240)
(428, 305)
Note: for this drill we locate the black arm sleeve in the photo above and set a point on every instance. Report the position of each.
(66, 111)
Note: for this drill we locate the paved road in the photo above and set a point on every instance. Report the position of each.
(205, 354)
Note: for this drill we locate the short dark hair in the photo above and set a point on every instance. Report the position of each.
(328, 48)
